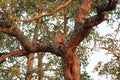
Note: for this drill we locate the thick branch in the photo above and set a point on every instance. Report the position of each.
(29, 47)
(19, 35)
(5, 25)
(79, 34)
(84, 9)
(95, 20)
(81, 29)
(58, 50)
(101, 11)
(3, 56)
(106, 6)
(41, 47)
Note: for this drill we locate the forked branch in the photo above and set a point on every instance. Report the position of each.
(101, 11)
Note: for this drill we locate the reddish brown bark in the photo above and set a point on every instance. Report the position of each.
(70, 65)
(82, 29)
(66, 51)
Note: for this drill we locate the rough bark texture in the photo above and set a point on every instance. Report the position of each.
(66, 51)
(70, 65)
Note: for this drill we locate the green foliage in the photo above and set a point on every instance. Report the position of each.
(53, 65)
(85, 76)
(28, 9)
(111, 69)
(1, 38)
(111, 43)
(10, 71)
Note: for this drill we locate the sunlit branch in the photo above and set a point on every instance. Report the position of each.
(82, 29)
(49, 14)
(84, 9)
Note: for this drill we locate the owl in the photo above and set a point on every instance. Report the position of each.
(58, 37)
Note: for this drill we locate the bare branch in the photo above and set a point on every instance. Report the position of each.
(61, 6)
(3, 56)
(113, 52)
(49, 14)
(105, 48)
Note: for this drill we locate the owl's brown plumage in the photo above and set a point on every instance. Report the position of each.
(59, 39)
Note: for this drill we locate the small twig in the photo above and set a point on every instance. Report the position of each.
(113, 52)
(110, 51)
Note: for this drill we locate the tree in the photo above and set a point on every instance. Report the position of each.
(20, 17)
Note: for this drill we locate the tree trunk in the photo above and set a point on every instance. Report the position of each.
(71, 66)
(82, 28)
